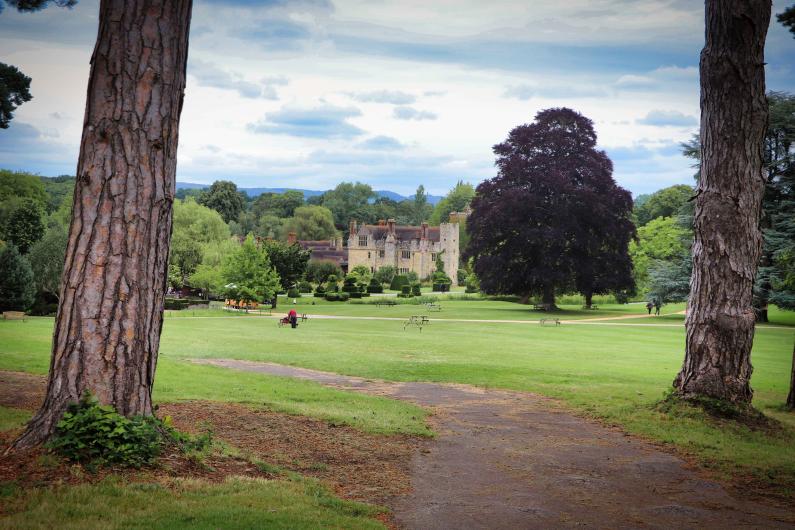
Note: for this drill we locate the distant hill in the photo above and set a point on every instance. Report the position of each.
(253, 192)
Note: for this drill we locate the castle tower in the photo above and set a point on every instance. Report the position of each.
(449, 236)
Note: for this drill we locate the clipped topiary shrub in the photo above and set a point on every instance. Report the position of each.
(344, 297)
(349, 285)
(398, 282)
(332, 297)
(320, 291)
(304, 287)
(375, 286)
(415, 290)
(293, 292)
(405, 292)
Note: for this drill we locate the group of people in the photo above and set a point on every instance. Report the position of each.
(655, 304)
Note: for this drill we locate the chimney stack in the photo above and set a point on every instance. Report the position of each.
(424, 230)
(391, 224)
(292, 238)
(352, 227)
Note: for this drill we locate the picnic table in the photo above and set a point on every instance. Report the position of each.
(416, 320)
(545, 321)
(433, 307)
(389, 303)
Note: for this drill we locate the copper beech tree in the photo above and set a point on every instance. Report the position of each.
(553, 218)
(107, 330)
(728, 239)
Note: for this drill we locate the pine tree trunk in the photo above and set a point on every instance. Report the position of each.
(728, 241)
(107, 331)
(791, 397)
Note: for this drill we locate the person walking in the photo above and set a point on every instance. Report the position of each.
(293, 317)
(649, 306)
(657, 306)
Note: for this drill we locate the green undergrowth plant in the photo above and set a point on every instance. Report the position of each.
(96, 435)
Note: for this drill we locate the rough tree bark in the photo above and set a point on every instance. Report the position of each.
(548, 297)
(791, 397)
(728, 241)
(107, 331)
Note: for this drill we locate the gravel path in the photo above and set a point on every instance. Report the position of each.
(517, 460)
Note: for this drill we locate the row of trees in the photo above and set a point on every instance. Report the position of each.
(34, 214)
(662, 253)
(325, 216)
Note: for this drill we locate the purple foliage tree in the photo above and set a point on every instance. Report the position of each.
(553, 218)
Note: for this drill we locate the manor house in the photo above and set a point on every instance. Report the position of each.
(407, 248)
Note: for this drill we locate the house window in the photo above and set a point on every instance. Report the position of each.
(403, 270)
(362, 241)
(381, 253)
(405, 254)
(433, 256)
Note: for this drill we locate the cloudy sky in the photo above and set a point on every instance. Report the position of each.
(306, 93)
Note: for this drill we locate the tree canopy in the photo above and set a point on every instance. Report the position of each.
(311, 223)
(456, 200)
(16, 281)
(223, 197)
(551, 213)
(667, 202)
(249, 274)
(14, 91)
(349, 201)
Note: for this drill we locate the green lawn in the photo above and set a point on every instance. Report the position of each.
(476, 309)
(237, 503)
(611, 371)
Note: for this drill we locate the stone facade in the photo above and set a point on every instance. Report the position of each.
(407, 248)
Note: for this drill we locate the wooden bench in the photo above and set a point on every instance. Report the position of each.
(416, 320)
(541, 307)
(433, 307)
(545, 321)
(303, 317)
(14, 315)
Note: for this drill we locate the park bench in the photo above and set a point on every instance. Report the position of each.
(545, 321)
(416, 320)
(433, 307)
(541, 307)
(593, 306)
(14, 315)
(303, 317)
(388, 303)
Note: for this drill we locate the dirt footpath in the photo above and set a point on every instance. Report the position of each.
(515, 460)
